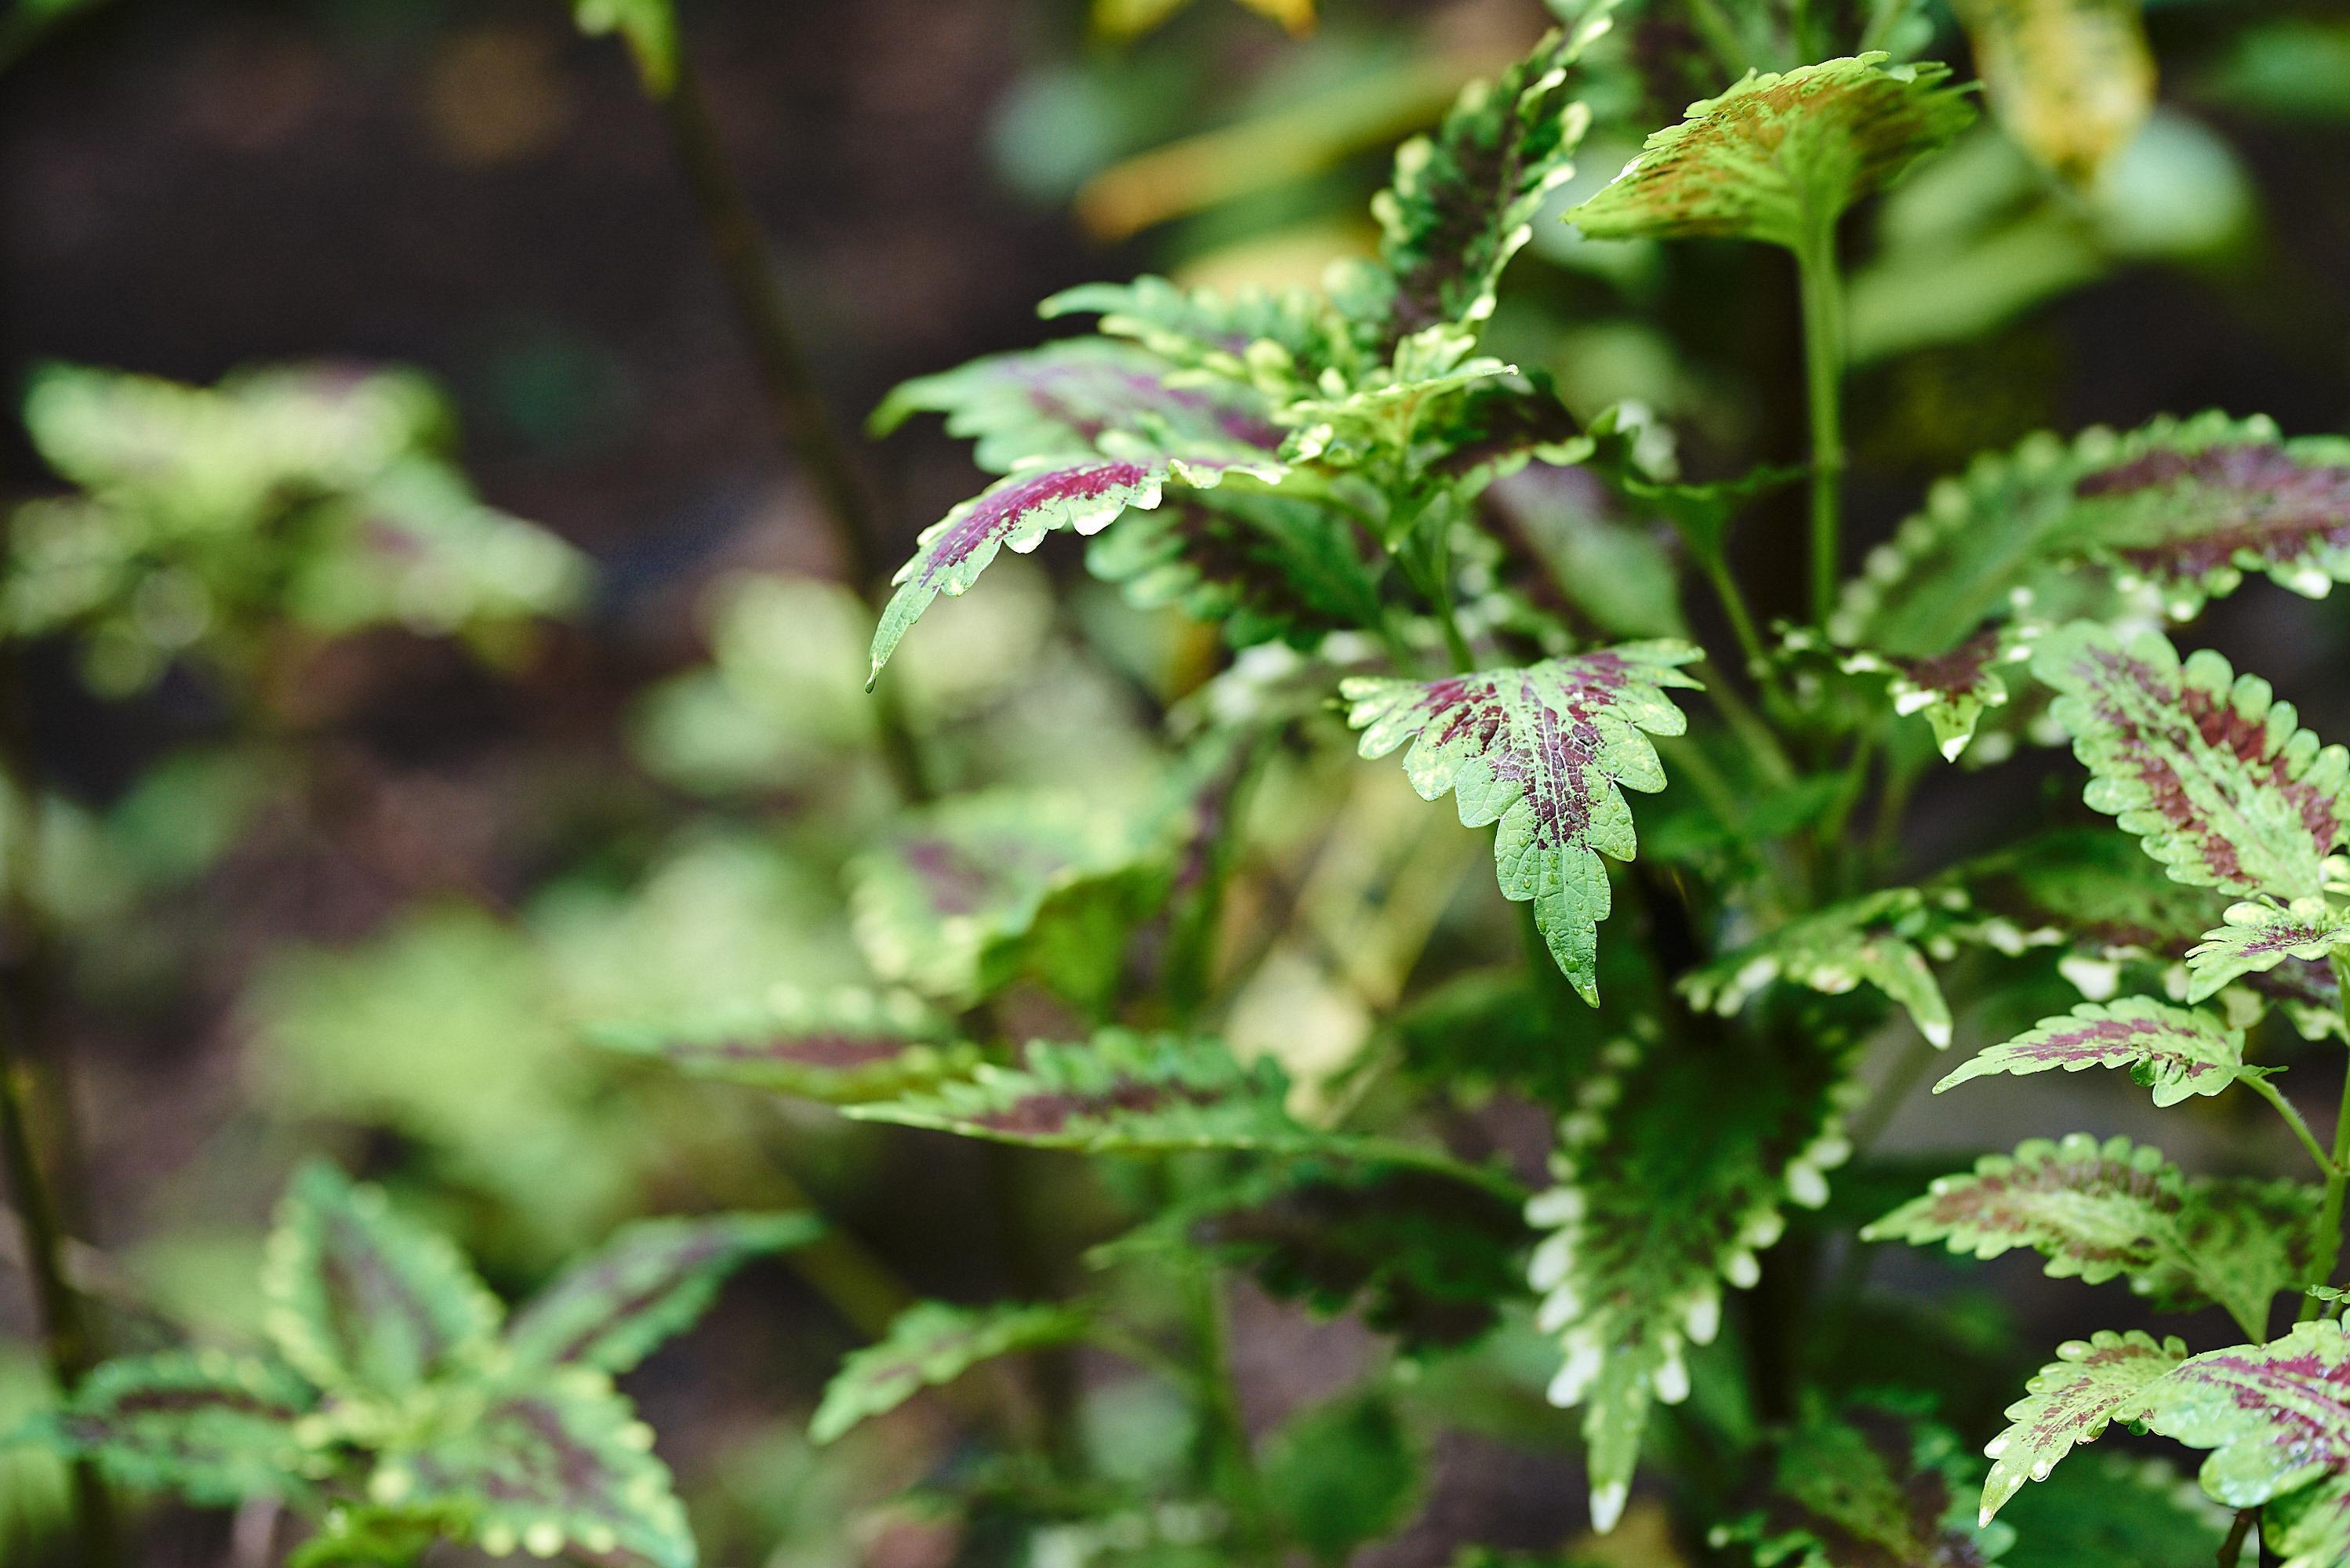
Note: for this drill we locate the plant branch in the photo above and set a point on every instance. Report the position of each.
(2231, 1551)
(2329, 1214)
(1231, 1458)
(1815, 269)
(2293, 1119)
(794, 401)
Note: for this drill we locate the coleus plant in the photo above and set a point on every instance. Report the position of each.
(1337, 478)
(396, 1403)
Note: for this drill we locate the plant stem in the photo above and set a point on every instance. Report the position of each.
(2329, 1215)
(794, 401)
(1815, 270)
(2231, 1551)
(1232, 1459)
(2284, 1107)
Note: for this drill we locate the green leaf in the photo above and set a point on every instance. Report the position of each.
(2071, 80)
(2070, 1401)
(1951, 690)
(610, 1309)
(839, 1046)
(929, 1344)
(1279, 342)
(1781, 156)
(1270, 567)
(1463, 201)
(2277, 1419)
(1423, 1256)
(1869, 939)
(1119, 1092)
(2095, 1211)
(1541, 751)
(966, 894)
(2112, 1511)
(561, 1465)
(1673, 1171)
(1342, 1474)
(2175, 1052)
(1021, 509)
(1869, 1486)
(2208, 770)
(650, 29)
(215, 1429)
(1059, 402)
(364, 1302)
(2259, 937)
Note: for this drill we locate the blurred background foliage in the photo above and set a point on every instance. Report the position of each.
(367, 797)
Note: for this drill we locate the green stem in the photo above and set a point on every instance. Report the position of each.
(1815, 268)
(1232, 1459)
(2231, 1551)
(794, 401)
(2329, 1214)
(2293, 1119)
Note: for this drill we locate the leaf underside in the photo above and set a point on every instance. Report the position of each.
(1544, 753)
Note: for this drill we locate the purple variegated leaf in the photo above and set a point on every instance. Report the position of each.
(2175, 1052)
(2276, 1417)
(840, 1047)
(1019, 511)
(2070, 1401)
(559, 1467)
(214, 1427)
(1267, 566)
(610, 1309)
(1872, 939)
(1871, 1485)
(2214, 775)
(1060, 401)
(1952, 690)
(364, 1302)
(2260, 936)
(1541, 751)
(931, 1344)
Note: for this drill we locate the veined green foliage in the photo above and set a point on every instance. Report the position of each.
(2176, 1052)
(650, 29)
(2277, 1422)
(1084, 497)
(218, 1428)
(1119, 1092)
(1673, 1171)
(932, 1344)
(613, 1307)
(2259, 937)
(1871, 941)
(556, 1465)
(1871, 1484)
(1269, 567)
(2071, 1401)
(983, 887)
(365, 1303)
(2214, 775)
(315, 496)
(1283, 344)
(2099, 1210)
(840, 1047)
(1779, 157)
(2071, 80)
(1463, 201)
(397, 1388)
(1544, 754)
(1060, 402)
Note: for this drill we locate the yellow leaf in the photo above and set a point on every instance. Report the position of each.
(2071, 80)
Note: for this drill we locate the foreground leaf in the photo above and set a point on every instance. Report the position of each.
(2215, 776)
(1779, 157)
(2070, 1401)
(2071, 80)
(2277, 1417)
(610, 1309)
(1869, 1486)
(1870, 940)
(1463, 201)
(1672, 1172)
(1542, 751)
(2259, 937)
(932, 1344)
(215, 1429)
(839, 1047)
(363, 1302)
(1085, 497)
(559, 1466)
(2175, 1052)
(1119, 1091)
